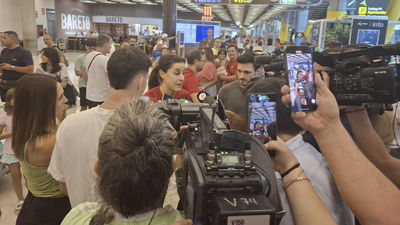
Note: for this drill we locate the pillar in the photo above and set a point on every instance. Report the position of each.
(337, 9)
(29, 33)
(284, 27)
(169, 20)
(393, 13)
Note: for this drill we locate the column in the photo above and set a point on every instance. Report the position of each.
(284, 27)
(337, 9)
(29, 33)
(169, 20)
(393, 13)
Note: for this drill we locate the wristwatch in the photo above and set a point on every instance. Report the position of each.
(13, 67)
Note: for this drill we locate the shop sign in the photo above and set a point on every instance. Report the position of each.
(74, 22)
(114, 19)
(288, 2)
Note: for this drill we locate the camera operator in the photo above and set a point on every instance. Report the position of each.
(375, 200)
(310, 159)
(134, 167)
(233, 95)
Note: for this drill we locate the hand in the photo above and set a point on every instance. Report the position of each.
(324, 117)
(284, 159)
(6, 66)
(183, 222)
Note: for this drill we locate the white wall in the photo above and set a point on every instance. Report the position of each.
(10, 16)
(41, 18)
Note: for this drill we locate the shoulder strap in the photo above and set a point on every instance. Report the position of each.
(92, 61)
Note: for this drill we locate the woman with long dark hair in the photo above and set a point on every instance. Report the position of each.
(51, 66)
(169, 72)
(39, 107)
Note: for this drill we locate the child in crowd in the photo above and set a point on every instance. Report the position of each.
(8, 156)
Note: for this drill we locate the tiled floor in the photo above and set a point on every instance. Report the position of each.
(8, 198)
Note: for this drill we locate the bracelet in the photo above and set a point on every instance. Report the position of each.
(294, 181)
(290, 170)
(298, 178)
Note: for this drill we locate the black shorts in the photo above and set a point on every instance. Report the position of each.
(82, 96)
(43, 211)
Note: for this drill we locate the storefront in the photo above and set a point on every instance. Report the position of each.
(117, 26)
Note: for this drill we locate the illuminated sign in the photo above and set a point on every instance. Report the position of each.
(236, 2)
(367, 7)
(207, 13)
(74, 22)
(288, 2)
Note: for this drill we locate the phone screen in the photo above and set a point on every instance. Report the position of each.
(262, 117)
(301, 79)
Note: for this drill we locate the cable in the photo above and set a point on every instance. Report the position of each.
(152, 217)
(394, 123)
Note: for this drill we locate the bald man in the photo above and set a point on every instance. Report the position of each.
(15, 62)
(48, 41)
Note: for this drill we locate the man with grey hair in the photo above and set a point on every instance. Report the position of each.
(136, 144)
(77, 141)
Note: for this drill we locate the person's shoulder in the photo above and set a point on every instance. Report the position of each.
(152, 91)
(168, 215)
(81, 214)
(78, 120)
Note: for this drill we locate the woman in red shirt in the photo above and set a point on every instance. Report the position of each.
(208, 76)
(170, 71)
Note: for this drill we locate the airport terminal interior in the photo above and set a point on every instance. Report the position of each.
(250, 112)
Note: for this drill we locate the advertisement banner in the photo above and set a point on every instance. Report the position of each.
(368, 31)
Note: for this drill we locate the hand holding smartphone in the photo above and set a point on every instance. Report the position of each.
(262, 116)
(301, 80)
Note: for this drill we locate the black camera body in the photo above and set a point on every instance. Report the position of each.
(363, 75)
(228, 177)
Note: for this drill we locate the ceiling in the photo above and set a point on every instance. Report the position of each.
(246, 15)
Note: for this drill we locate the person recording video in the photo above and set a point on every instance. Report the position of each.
(347, 164)
(312, 162)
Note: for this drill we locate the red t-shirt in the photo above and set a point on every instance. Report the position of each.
(191, 83)
(155, 94)
(231, 69)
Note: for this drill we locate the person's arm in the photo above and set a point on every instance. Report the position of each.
(84, 74)
(372, 145)
(209, 84)
(368, 193)
(3, 136)
(194, 97)
(63, 188)
(64, 76)
(306, 206)
(19, 69)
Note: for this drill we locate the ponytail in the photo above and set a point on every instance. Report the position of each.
(154, 79)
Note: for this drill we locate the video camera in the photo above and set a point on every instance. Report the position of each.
(273, 65)
(228, 177)
(363, 75)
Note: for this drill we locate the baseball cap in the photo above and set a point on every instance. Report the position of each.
(164, 35)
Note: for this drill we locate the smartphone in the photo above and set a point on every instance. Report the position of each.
(301, 80)
(262, 116)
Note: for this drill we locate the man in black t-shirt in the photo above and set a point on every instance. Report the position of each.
(15, 62)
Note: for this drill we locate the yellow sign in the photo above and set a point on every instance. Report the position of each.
(362, 11)
(243, 1)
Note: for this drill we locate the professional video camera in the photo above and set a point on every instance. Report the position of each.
(273, 65)
(228, 177)
(363, 75)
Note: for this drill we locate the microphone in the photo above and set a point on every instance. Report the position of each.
(204, 97)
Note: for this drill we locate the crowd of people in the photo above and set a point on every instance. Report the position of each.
(112, 162)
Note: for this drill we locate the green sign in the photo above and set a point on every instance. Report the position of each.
(288, 2)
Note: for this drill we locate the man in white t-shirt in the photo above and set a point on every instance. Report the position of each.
(95, 65)
(77, 139)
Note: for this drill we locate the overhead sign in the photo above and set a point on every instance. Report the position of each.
(234, 2)
(288, 2)
(367, 7)
(366, 31)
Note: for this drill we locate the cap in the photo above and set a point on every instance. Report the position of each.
(164, 35)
